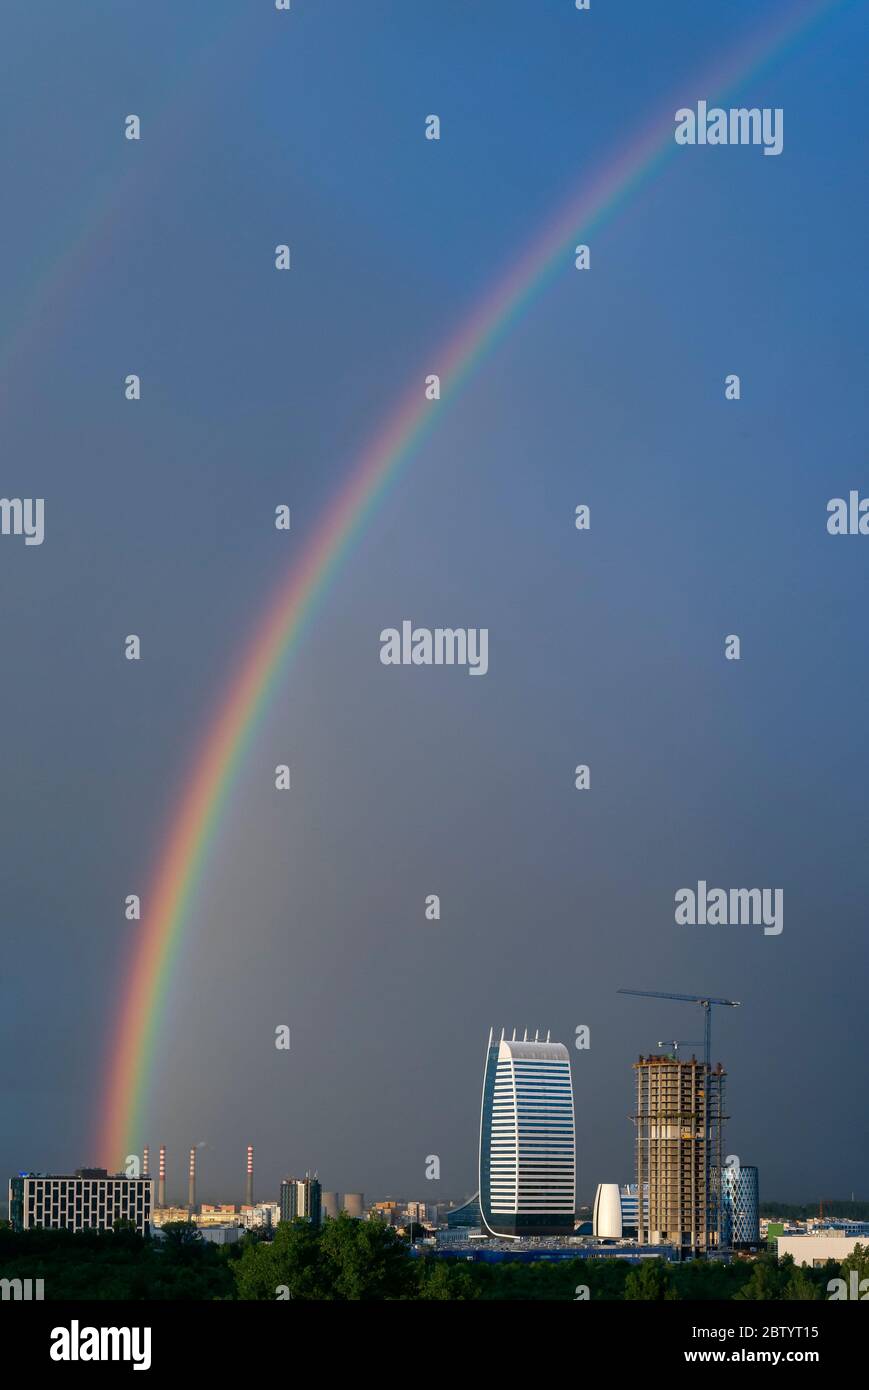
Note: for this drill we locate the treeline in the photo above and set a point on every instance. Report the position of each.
(787, 1211)
(117, 1264)
(349, 1260)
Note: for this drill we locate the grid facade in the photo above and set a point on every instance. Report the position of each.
(94, 1201)
(740, 1206)
(672, 1153)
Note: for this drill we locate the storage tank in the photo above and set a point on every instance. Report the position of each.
(329, 1204)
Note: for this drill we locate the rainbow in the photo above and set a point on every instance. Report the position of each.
(86, 231)
(191, 831)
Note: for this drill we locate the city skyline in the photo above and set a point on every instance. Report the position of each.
(523, 1127)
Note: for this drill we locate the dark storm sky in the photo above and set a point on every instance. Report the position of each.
(606, 648)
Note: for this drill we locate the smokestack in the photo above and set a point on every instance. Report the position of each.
(191, 1182)
(161, 1179)
(248, 1186)
(146, 1162)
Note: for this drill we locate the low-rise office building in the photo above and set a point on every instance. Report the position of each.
(89, 1199)
(815, 1251)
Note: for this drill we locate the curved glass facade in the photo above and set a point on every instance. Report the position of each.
(740, 1207)
(465, 1216)
(527, 1140)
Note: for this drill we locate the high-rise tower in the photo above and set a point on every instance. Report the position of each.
(527, 1139)
(671, 1152)
(301, 1200)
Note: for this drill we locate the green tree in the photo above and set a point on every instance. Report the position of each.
(366, 1260)
(768, 1281)
(650, 1282)
(710, 1279)
(605, 1278)
(291, 1261)
(858, 1260)
(115, 1265)
(414, 1231)
(440, 1280)
(344, 1260)
(801, 1287)
(858, 1263)
(183, 1240)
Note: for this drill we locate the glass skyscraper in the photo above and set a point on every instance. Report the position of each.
(527, 1139)
(740, 1206)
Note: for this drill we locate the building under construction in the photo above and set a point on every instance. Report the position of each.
(680, 1151)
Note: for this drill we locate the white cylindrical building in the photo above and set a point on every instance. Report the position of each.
(607, 1219)
(740, 1206)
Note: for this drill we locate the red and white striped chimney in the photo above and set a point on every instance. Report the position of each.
(191, 1181)
(146, 1162)
(248, 1186)
(161, 1178)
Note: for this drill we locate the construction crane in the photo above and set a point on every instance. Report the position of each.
(705, 1001)
(676, 1043)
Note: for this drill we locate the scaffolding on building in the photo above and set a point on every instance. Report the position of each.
(680, 1149)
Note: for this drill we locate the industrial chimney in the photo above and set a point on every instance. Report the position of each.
(191, 1182)
(161, 1179)
(248, 1186)
(146, 1162)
